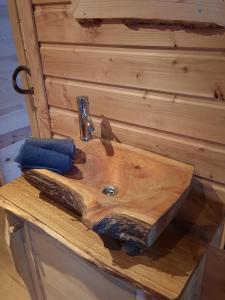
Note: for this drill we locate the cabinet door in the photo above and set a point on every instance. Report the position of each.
(63, 275)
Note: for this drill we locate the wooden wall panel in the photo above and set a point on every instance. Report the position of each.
(63, 28)
(157, 86)
(209, 161)
(179, 115)
(183, 72)
(206, 11)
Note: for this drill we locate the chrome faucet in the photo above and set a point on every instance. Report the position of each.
(86, 123)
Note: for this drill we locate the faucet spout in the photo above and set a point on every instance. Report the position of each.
(85, 121)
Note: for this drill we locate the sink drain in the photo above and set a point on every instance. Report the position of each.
(110, 190)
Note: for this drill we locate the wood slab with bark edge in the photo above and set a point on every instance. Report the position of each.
(151, 189)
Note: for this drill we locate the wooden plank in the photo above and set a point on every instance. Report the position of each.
(190, 117)
(208, 159)
(163, 271)
(63, 28)
(206, 11)
(183, 72)
(214, 277)
(25, 11)
(18, 40)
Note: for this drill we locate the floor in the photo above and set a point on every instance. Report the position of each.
(14, 128)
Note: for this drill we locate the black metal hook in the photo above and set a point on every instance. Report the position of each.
(14, 80)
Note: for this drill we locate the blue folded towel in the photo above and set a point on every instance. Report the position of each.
(53, 154)
(64, 146)
(31, 157)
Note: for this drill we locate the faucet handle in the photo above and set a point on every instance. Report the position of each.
(83, 104)
(86, 123)
(91, 125)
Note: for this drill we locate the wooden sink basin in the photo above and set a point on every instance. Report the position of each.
(121, 191)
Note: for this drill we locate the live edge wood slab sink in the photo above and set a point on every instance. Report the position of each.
(120, 191)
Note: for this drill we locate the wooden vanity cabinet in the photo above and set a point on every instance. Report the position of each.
(59, 274)
(54, 272)
(64, 260)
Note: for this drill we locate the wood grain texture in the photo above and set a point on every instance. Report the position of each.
(180, 115)
(25, 11)
(63, 28)
(151, 189)
(184, 72)
(208, 159)
(163, 271)
(22, 59)
(206, 11)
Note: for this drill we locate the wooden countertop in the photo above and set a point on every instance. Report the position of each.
(164, 270)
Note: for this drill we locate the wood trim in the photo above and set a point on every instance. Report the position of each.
(26, 15)
(21, 56)
(170, 10)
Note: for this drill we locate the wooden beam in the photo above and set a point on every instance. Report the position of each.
(21, 57)
(25, 11)
(206, 11)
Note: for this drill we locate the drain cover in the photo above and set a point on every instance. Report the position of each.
(110, 190)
